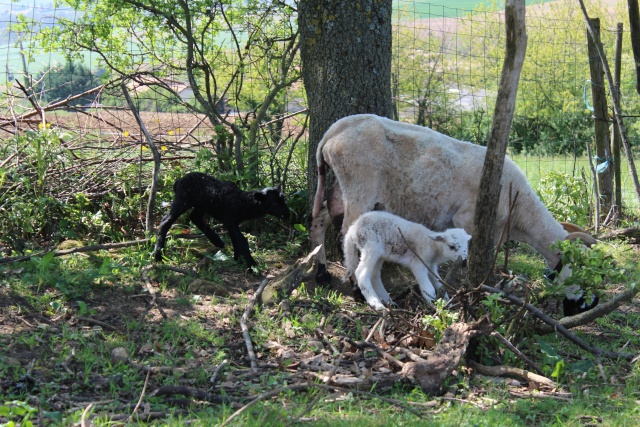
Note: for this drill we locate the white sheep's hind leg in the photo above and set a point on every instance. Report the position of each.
(366, 268)
(422, 276)
(378, 286)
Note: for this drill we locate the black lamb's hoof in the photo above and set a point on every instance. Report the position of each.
(571, 307)
(323, 278)
(357, 294)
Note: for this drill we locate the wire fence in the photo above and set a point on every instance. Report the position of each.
(446, 70)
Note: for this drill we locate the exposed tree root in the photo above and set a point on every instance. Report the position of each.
(431, 374)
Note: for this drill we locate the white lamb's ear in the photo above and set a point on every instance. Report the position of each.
(437, 238)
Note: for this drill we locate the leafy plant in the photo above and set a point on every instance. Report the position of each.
(441, 319)
(591, 268)
(19, 410)
(566, 197)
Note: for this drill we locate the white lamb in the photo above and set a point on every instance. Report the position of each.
(381, 236)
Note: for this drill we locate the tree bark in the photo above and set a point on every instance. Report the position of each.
(601, 122)
(483, 242)
(346, 65)
(616, 139)
(634, 28)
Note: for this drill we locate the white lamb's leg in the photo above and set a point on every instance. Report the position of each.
(422, 276)
(366, 268)
(377, 283)
(434, 278)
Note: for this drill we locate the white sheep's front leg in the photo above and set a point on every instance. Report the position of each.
(422, 276)
(378, 287)
(435, 280)
(365, 270)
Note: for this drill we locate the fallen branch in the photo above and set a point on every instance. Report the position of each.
(245, 318)
(517, 352)
(447, 355)
(556, 326)
(171, 390)
(91, 248)
(602, 309)
(509, 371)
(362, 345)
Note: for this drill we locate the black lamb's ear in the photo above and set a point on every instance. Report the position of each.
(259, 196)
(279, 187)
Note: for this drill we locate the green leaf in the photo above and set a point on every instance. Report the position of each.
(299, 227)
(548, 350)
(581, 366)
(558, 370)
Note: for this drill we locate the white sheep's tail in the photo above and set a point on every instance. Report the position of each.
(350, 256)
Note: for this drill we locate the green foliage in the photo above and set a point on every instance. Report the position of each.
(566, 197)
(441, 319)
(591, 269)
(71, 79)
(554, 364)
(20, 411)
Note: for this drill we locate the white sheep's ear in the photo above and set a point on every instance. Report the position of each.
(437, 238)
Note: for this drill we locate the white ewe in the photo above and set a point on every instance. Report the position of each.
(381, 236)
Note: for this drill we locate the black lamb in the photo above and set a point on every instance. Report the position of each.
(224, 201)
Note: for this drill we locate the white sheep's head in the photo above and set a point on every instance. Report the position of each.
(455, 242)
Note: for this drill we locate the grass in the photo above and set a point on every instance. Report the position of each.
(54, 360)
(536, 167)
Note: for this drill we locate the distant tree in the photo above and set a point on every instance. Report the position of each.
(217, 46)
(58, 83)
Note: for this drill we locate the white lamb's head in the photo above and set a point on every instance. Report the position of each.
(455, 243)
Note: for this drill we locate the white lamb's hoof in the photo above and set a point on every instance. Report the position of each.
(391, 304)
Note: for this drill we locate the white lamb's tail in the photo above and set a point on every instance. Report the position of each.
(350, 256)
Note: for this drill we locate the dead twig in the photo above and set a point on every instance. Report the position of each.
(509, 371)
(212, 380)
(170, 390)
(98, 323)
(520, 355)
(85, 413)
(144, 389)
(362, 345)
(245, 318)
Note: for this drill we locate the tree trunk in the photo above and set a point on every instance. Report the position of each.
(616, 139)
(346, 65)
(601, 122)
(484, 224)
(634, 28)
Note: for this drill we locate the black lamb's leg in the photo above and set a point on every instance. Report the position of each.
(177, 209)
(240, 244)
(198, 219)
